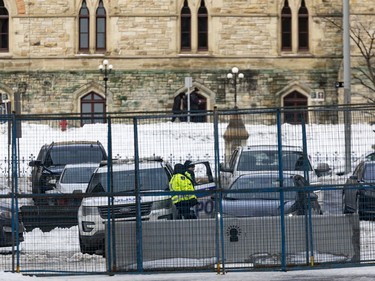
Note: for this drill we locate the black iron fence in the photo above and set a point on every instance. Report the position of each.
(140, 230)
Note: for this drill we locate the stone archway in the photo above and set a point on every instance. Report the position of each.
(206, 96)
(296, 95)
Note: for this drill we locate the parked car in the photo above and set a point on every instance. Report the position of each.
(74, 179)
(257, 195)
(6, 224)
(95, 209)
(53, 157)
(246, 159)
(358, 194)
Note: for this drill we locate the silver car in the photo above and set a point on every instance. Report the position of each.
(74, 179)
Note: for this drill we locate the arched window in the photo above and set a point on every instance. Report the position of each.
(298, 102)
(202, 27)
(303, 27)
(84, 27)
(92, 109)
(286, 27)
(4, 28)
(101, 25)
(185, 27)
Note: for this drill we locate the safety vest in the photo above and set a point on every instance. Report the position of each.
(180, 182)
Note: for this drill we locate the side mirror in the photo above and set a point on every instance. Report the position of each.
(35, 163)
(52, 183)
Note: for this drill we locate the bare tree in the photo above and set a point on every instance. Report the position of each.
(364, 39)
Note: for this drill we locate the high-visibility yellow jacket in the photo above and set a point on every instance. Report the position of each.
(180, 182)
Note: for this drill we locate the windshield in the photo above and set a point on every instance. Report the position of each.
(150, 179)
(77, 175)
(246, 183)
(76, 154)
(268, 160)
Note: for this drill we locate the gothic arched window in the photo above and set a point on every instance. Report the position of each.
(4, 28)
(84, 27)
(101, 26)
(92, 109)
(202, 27)
(303, 27)
(286, 27)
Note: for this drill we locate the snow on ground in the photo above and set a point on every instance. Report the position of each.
(165, 139)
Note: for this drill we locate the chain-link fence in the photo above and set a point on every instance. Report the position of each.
(270, 194)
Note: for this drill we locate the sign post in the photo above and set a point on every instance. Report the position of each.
(188, 85)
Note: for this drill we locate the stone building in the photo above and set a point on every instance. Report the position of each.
(288, 51)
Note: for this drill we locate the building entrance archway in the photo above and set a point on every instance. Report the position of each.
(299, 103)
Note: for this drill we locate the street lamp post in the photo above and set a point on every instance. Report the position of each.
(106, 69)
(236, 133)
(235, 77)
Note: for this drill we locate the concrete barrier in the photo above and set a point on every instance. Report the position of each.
(250, 241)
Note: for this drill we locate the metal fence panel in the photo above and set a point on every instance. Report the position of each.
(261, 242)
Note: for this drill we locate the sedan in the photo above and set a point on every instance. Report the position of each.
(74, 179)
(358, 195)
(258, 194)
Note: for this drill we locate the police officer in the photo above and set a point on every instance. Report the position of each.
(189, 171)
(183, 202)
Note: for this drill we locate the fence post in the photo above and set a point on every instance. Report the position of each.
(111, 245)
(14, 204)
(138, 200)
(282, 210)
(219, 223)
(308, 220)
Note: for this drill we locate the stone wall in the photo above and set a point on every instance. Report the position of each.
(143, 40)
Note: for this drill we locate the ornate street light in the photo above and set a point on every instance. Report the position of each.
(106, 69)
(235, 77)
(236, 133)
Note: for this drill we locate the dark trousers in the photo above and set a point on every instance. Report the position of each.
(184, 210)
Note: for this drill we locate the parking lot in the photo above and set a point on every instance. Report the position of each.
(55, 245)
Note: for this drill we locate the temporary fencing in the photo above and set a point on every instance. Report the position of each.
(138, 231)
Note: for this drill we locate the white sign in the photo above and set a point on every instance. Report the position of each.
(188, 82)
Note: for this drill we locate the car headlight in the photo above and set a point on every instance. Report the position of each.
(162, 204)
(90, 211)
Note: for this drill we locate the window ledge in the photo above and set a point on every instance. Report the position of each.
(89, 55)
(190, 55)
(301, 54)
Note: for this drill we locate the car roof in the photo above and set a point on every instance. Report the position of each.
(272, 174)
(72, 143)
(271, 147)
(116, 167)
(81, 165)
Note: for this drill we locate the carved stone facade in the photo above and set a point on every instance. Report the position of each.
(143, 45)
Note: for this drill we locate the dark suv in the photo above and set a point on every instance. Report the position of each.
(53, 157)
